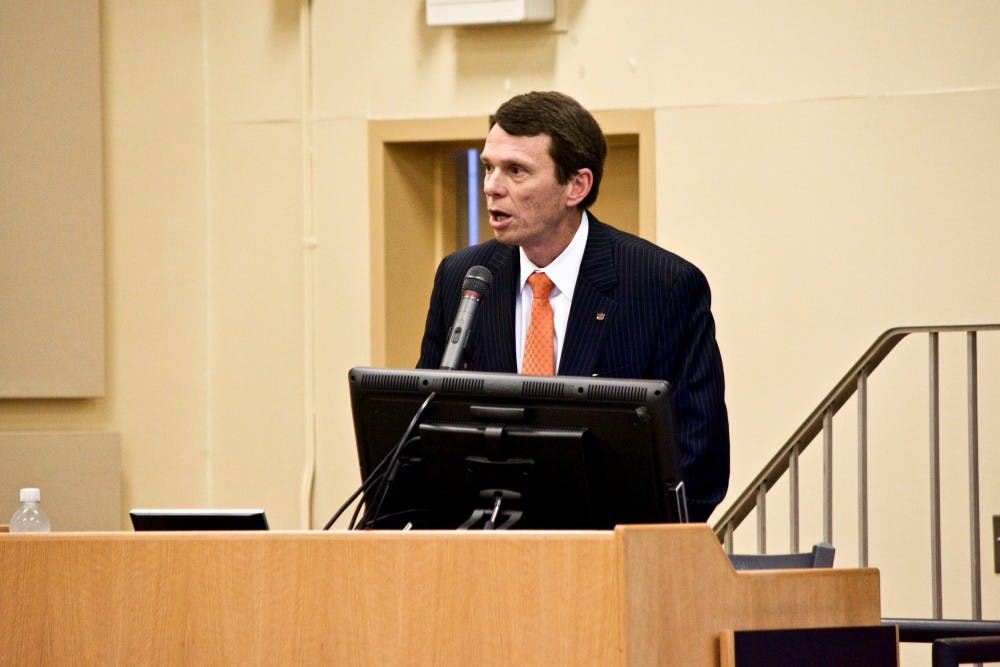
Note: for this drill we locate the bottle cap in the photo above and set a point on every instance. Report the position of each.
(30, 495)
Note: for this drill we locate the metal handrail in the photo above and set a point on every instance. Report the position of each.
(820, 420)
(855, 383)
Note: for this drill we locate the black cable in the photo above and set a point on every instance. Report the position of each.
(375, 475)
(371, 513)
(372, 478)
(354, 517)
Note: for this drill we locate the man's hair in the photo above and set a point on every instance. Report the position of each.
(577, 139)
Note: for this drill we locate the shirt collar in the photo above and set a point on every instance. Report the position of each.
(565, 268)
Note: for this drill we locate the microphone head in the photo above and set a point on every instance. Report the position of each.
(477, 279)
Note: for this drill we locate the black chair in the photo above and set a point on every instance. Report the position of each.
(952, 642)
(820, 556)
(956, 651)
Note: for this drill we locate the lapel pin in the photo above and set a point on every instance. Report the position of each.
(600, 316)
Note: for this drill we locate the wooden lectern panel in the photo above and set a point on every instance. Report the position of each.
(635, 596)
(305, 598)
(683, 593)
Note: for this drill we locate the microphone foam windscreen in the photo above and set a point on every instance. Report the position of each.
(478, 279)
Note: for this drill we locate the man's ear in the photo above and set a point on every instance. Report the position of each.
(578, 186)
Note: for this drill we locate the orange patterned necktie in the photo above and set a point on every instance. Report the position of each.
(539, 351)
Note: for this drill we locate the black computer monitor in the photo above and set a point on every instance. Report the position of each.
(509, 450)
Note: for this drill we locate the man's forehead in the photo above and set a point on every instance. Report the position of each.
(500, 145)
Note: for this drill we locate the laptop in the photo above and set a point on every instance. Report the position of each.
(198, 519)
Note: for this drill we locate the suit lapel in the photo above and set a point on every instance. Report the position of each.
(593, 309)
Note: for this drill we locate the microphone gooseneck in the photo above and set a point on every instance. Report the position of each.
(476, 285)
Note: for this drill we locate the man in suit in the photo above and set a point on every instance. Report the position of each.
(620, 306)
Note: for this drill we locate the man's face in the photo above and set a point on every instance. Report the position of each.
(527, 206)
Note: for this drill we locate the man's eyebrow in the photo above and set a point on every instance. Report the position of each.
(505, 162)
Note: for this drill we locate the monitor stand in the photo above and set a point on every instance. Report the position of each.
(497, 514)
(496, 517)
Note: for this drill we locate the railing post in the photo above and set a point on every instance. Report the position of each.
(762, 519)
(793, 499)
(828, 476)
(975, 573)
(863, 468)
(935, 474)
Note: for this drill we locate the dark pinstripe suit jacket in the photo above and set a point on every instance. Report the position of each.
(657, 323)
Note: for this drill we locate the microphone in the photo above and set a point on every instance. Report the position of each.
(475, 286)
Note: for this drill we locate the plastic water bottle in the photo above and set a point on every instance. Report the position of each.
(30, 518)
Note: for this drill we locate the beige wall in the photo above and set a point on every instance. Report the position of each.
(831, 167)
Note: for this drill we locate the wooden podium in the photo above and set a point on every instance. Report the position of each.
(640, 595)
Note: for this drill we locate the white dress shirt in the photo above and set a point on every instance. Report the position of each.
(562, 271)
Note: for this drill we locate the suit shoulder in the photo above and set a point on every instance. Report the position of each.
(481, 253)
(645, 256)
(454, 266)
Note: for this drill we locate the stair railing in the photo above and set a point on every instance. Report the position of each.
(855, 382)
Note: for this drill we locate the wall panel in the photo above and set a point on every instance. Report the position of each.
(51, 201)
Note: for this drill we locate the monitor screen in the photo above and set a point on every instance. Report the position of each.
(509, 450)
(198, 519)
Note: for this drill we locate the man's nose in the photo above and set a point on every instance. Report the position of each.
(492, 183)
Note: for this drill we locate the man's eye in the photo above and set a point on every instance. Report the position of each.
(516, 170)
